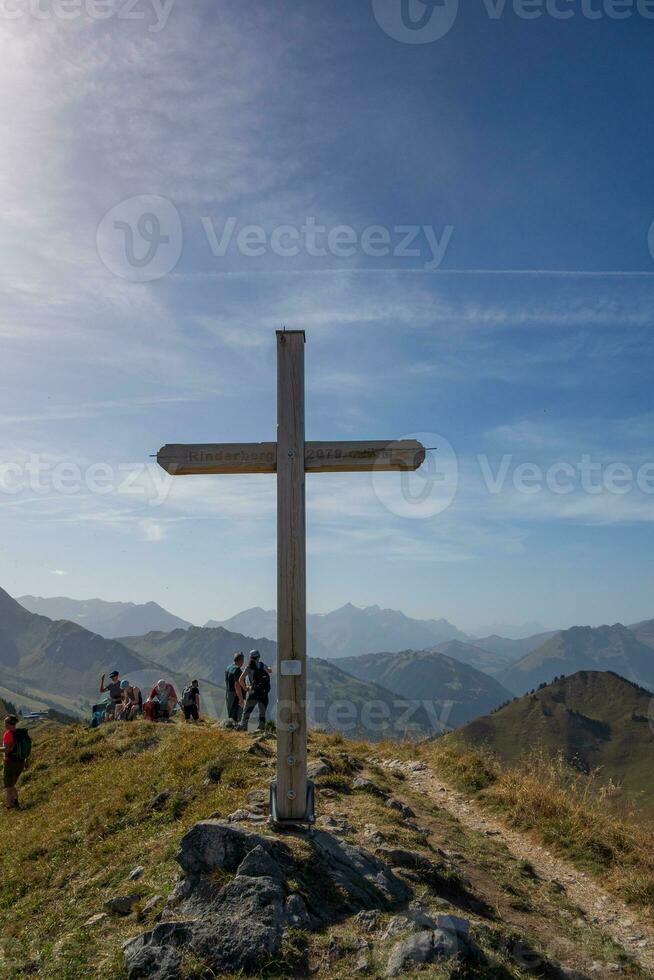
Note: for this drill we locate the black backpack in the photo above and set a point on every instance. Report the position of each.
(260, 682)
(188, 695)
(22, 745)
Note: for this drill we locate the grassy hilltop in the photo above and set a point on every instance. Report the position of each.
(93, 812)
(595, 719)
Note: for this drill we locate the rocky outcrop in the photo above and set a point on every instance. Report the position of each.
(238, 925)
(449, 939)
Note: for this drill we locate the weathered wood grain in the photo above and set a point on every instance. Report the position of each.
(291, 579)
(319, 457)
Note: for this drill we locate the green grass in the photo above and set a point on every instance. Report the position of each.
(85, 826)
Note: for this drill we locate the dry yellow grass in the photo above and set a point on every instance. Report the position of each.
(580, 816)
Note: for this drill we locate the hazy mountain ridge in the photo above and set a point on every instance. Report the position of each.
(61, 662)
(615, 648)
(468, 653)
(336, 700)
(594, 718)
(108, 619)
(456, 692)
(350, 631)
(200, 651)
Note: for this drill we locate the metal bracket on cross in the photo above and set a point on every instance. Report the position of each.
(292, 795)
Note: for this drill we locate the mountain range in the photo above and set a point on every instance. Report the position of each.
(349, 631)
(616, 648)
(338, 698)
(452, 692)
(595, 718)
(109, 619)
(58, 663)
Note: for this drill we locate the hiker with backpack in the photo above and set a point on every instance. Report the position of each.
(234, 693)
(256, 681)
(17, 748)
(191, 701)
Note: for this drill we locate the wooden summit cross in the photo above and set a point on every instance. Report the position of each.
(290, 458)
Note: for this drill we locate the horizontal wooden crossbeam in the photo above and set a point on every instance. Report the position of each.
(319, 457)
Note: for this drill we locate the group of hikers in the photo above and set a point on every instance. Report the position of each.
(247, 687)
(125, 702)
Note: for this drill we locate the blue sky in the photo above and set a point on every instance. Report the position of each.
(517, 332)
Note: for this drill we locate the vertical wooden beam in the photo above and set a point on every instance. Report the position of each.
(291, 579)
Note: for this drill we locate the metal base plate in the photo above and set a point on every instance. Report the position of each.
(309, 810)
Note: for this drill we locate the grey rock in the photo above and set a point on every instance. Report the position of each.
(155, 955)
(121, 904)
(413, 920)
(238, 926)
(416, 866)
(213, 844)
(402, 808)
(245, 928)
(362, 965)
(247, 815)
(368, 920)
(297, 912)
(426, 947)
(453, 923)
(408, 875)
(136, 873)
(149, 907)
(322, 767)
(367, 881)
(334, 949)
(326, 793)
(334, 824)
(367, 786)
(259, 864)
(258, 797)
(416, 949)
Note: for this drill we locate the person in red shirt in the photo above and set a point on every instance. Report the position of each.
(161, 702)
(13, 766)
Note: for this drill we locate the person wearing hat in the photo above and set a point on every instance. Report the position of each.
(115, 692)
(131, 702)
(255, 679)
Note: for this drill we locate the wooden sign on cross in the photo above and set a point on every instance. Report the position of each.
(290, 458)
